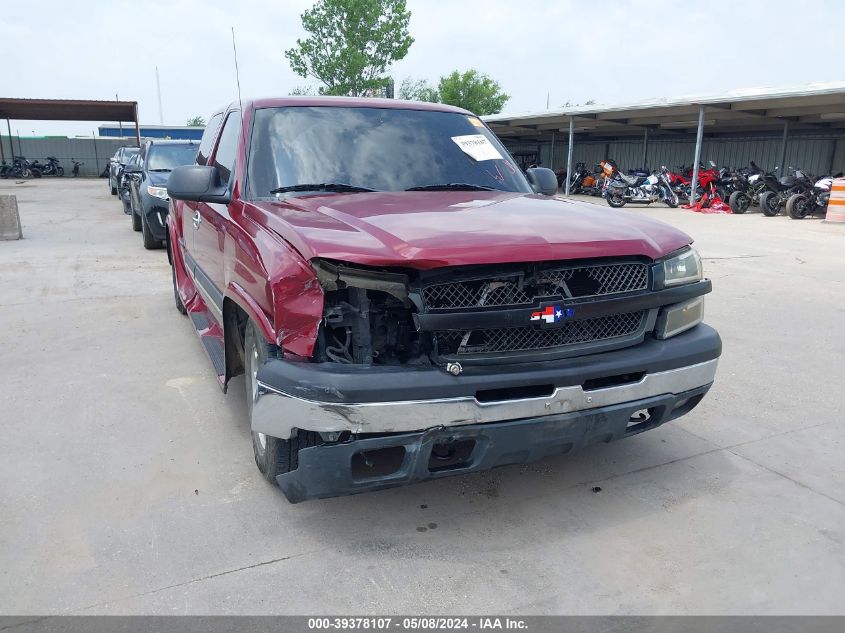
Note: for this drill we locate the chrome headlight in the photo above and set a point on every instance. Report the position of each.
(158, 192)
(682, 269)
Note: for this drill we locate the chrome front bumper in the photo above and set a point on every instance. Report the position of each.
(277, 414)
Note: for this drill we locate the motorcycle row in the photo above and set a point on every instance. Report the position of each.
(796, 192)
(23, 168)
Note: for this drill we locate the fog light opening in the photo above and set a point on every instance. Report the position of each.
(642, 419)
(377, 463)
(639, 417)
(450, 455)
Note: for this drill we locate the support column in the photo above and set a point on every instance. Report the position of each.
(137, 129)
(698, 138)
(552, 153)
(645, 149)
(96, 158)
(783, 148)
(11, 146)
(569, 153)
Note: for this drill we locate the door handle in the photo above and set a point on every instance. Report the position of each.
(197, 219)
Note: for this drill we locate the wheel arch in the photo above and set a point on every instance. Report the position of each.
(238, 308)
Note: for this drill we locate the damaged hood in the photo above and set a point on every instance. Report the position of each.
(426, 230)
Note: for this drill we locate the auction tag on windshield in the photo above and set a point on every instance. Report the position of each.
(477, 147)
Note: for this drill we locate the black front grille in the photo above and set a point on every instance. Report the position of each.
(456, 342)
(524, 287)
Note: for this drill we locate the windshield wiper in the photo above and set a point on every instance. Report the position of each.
(451, 186)
(161, 169)
(338, 187)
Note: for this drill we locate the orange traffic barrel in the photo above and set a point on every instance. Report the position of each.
(836, 206)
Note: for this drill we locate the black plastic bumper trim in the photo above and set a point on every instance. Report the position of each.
(326, 471)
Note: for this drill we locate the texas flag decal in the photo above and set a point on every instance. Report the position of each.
(553, 314)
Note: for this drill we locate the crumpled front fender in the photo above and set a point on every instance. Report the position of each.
(297, 300)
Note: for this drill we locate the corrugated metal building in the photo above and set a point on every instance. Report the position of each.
(176, 132)
(802, 127)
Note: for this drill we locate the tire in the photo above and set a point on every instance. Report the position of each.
(273, 456)
(768, 204)
(26, 173)
(739, 202)
(60, 171)
(127, 208)
(150, 242)
(136, 222)
(798, 206)
(617, 201)
(672, 200)
(36, 173)
(179, 303)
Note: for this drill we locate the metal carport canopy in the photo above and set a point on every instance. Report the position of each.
(811, 107)
(70, 110)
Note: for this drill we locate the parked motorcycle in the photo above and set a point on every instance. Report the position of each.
(681, 181)
(623, 189)
(804, 203)
(583, 181)
(748, 184)
(780, 189)
(33, 168)
(76, 166)
(20, 168)
(51, 168)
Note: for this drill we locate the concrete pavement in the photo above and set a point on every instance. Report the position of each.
(127, 482)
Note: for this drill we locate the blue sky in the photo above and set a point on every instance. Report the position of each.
(612, 52)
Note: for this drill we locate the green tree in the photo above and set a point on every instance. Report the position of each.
(417, 90)
(351, 44)
(472, 91)
(196, 121)
(303, 91)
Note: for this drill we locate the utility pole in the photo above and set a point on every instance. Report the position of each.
(160, 111)
(119, 123)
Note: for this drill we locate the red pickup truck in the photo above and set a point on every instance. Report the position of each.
(407, 304)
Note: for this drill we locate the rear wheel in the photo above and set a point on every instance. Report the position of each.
(798, 206)
(739, 202)
(60, 171)
(769, 204)
(615, 199)
(273, 456)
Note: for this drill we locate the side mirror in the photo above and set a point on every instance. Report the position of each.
(542, 180)
(197, 183)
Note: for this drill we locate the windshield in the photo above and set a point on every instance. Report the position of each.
(382, 149)
(166, 157)
(128, 153)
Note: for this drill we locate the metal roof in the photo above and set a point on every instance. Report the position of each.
(819, 106)
(67, 110)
